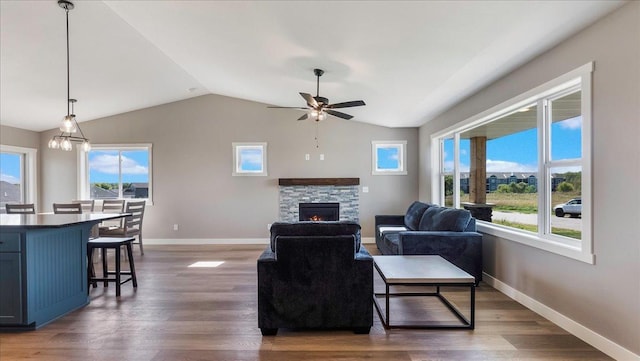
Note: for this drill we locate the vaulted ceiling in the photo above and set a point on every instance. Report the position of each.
(409, 61)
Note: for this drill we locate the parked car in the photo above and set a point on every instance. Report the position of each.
(572, 208)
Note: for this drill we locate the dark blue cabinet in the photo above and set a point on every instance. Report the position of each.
(11, 283)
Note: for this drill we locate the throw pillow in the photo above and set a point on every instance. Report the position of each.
(414, 215)
(445, 219)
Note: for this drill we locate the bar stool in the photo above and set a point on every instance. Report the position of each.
(104, 243)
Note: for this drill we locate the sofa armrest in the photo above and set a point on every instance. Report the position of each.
(389, 220)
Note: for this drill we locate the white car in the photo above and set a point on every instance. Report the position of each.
(572, 208)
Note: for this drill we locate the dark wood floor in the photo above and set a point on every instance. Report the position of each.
(181, 313)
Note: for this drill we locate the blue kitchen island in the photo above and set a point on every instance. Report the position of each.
(43, 266)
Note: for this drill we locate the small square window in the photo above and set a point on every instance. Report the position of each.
(389, 157)
(249, 159)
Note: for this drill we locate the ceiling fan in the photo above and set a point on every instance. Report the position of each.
(318, 107)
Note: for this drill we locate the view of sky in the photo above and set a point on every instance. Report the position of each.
(250, 159)
(388, 158)
(10, 168)
(518, 152)
(104, 166)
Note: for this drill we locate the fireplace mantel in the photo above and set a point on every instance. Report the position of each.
(319, 181)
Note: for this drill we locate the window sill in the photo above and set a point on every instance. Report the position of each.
(533, 240)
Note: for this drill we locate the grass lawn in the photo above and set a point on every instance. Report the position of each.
(526, 203)
(534, 228)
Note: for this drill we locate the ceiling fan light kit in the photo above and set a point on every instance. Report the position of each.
(69, 123)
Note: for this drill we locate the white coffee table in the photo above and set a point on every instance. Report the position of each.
(432, 271)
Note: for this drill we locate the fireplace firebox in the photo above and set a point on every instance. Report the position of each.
(319, 212)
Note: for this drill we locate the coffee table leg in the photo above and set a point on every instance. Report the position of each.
(387, 303)
(473, 308)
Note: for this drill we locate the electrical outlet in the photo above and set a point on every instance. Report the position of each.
(365, 189)
(175, 227)
(268, 226)
(321, 156)
(307, 156)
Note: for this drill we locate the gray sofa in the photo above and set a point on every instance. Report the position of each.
(315, 275)
(427, 229)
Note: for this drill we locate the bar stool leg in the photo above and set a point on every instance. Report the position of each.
(132, 267)
(105, 270)
(118, 249)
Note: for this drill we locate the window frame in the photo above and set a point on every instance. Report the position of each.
(83, 168)
(236, 150)
(577, 79)
(401, 145)
(29, 165)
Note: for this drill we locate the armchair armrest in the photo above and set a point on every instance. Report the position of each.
(267, 256)
(363, 255)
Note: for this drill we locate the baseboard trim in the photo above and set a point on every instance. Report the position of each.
(195, 241)
(585, 334)
(200, 241)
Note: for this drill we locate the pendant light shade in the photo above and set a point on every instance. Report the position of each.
(69, 123)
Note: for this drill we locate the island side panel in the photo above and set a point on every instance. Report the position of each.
(56, 272)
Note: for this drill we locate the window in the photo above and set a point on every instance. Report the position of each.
(534, 153)
(249, 159)
(17, 175)
(116, 171)
(388, 157)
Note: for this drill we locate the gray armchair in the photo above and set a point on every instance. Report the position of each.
(315, 275)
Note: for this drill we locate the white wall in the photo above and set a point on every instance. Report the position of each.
(192, 161)
(605, 297)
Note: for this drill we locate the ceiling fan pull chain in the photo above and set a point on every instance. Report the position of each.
(317, 146)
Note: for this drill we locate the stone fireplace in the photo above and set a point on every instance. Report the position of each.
(342, 192)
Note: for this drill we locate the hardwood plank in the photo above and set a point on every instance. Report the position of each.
(182, 313)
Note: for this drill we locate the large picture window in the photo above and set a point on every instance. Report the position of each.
(17, 175)
(117, 171)
(528, 160)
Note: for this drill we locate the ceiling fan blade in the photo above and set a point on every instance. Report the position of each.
(310, 101)
(355, 103)
(338, 114)
(305, 116)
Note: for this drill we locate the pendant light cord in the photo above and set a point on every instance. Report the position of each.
(68, 77)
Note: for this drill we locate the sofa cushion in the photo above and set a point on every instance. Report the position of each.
(390, 243)
(414, 215)
(305, 228)
(445, 219)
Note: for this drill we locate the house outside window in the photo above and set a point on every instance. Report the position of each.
(116, 172)
(536, 150)
(17, 175)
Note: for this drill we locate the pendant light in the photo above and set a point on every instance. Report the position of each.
(69, 124)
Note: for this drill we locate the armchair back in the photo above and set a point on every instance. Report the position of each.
(315, 275)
